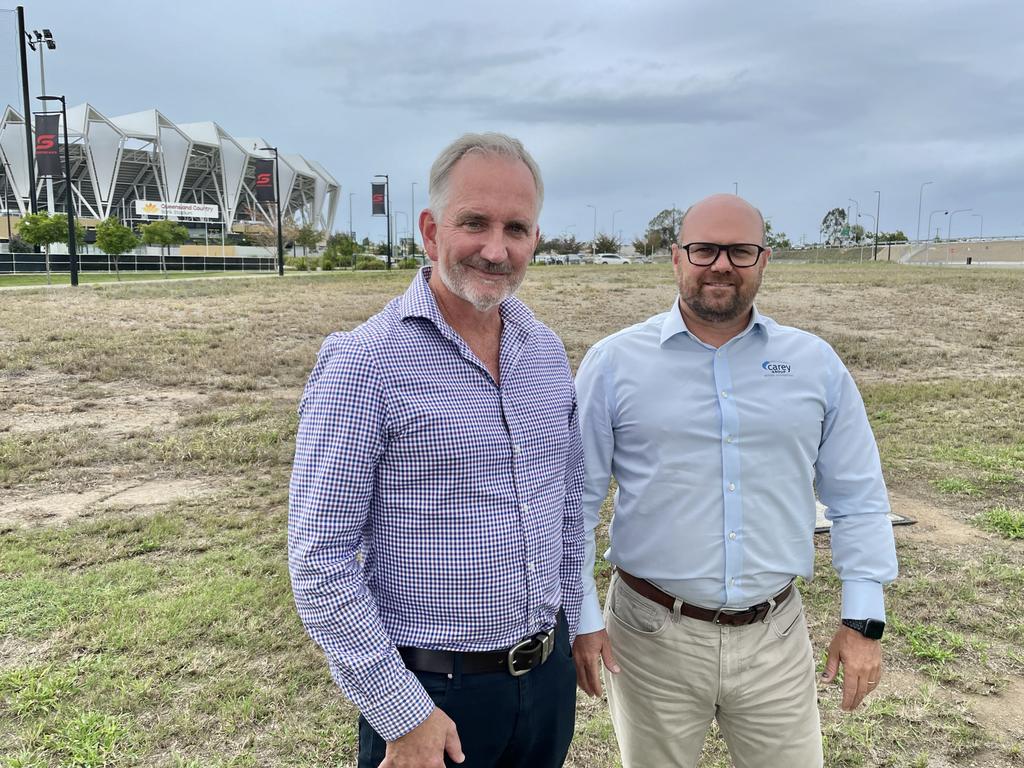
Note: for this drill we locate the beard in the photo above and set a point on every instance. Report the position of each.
(722, 309)
(458, 278)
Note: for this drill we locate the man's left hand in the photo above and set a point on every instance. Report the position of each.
(862, 665)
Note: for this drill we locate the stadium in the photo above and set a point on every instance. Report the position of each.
(143, 167)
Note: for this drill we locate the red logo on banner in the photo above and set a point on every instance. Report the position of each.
(45, 141)
(262, 179)
(378, 198)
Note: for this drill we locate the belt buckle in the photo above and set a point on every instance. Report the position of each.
(542, 643)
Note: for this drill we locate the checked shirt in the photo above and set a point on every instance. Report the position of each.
(430, 507)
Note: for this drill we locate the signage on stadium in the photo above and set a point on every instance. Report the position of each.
(160, 208)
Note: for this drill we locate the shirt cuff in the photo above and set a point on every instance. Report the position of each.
(863, 600)
(591, 618)
(407, 706)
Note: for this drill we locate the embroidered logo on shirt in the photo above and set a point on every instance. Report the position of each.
(777, 368)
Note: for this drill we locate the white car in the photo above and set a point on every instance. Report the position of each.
(610, 258)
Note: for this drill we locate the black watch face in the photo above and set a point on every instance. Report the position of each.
(873, 629)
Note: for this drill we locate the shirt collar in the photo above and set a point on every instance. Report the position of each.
(418, 301)
(674, 324)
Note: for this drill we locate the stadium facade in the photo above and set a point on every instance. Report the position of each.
(143, 167)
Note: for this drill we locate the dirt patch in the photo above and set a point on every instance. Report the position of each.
(45, 400)
(63, 508)
(934, 524)
(1003, 712)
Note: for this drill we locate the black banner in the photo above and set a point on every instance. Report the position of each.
(378, 195)
(265, 181)
(48, 147)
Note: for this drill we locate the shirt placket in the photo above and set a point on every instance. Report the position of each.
(732, 498)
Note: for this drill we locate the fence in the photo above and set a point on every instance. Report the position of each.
(35, 263)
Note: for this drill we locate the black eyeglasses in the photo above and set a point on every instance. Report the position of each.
(739, 254)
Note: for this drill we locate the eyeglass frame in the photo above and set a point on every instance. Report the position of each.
(760, 249)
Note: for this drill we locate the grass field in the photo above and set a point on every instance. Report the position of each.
(146, 434)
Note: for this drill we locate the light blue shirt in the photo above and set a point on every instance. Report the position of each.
(717, 454)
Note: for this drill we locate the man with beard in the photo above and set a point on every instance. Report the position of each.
(718, 425)
(435, 532)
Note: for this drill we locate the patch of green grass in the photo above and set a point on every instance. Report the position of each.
(1008, 523)
(957, 486)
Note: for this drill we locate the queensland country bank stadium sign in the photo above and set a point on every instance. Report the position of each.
(162, 210)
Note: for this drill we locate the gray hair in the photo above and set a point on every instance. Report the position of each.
(494, 144)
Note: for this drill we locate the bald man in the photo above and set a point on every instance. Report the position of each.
(719, 424)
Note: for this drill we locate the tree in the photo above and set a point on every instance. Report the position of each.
(892, 237)
(663, 228)
(308, 236)
(775, 240)
(833, 226)
(164, 233)
(606, 244)
(45, 230)
(115, 239)
(340, 249)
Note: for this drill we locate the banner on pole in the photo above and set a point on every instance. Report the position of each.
(48, 146)
(379, 197)
(265, 181)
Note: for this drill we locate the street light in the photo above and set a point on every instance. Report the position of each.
(736, 188)
(406, 220)
(593, 242)
(351, 232)
(24, 37)
(43, 40)
(949, 230)
(412, 215)
(878, 213)
(981, 227)
(280, 211)
(937, 210)
(387, 192)
(850, 215)
(72, 246)
(613, 220)
(920, 198)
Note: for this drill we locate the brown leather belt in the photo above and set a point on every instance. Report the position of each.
(728, 618)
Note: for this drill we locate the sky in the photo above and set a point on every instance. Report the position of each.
(630, 108)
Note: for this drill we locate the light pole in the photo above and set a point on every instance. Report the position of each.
(72, 246)
(873, 219)
(412, 215)
(43, 40)
(280, 212)
(22, 38)
(878, 213)
(351, 232)
(937, 210)
(613, 223)
(736, 188)
(593, 243)
(949, 229)
(920, 198)
(981, 225)
(387, 193)
(850, 216)
(406, 220)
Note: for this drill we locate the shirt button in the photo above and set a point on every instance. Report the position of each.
(732, 535)
(516, 449)
(732, 486)
(724, 393)
(732, 582)
(529, 566)
(525, 508)
(729, 438)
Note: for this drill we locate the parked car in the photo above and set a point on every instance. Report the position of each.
(610, 258)
(574, 258)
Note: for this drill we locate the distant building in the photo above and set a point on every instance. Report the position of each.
(143, 166)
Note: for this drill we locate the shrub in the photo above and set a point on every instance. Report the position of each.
(327, 263)
(409, 263)
(370, 264)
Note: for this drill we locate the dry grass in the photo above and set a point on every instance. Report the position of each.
(145, 440)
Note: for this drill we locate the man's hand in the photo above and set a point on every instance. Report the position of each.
(425, 745)
(586, 652)
(862, 665)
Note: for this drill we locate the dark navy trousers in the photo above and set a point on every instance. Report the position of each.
(503, 721)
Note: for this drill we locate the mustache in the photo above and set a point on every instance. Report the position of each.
(490, 267)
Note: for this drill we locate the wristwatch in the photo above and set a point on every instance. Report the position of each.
(872, 629)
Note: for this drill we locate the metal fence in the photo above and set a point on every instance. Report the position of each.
(35, 263)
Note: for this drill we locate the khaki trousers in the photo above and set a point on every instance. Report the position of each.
(678, 673)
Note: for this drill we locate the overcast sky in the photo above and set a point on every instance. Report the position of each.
(629, 107)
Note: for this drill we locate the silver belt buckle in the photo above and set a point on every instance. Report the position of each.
(547, 643)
